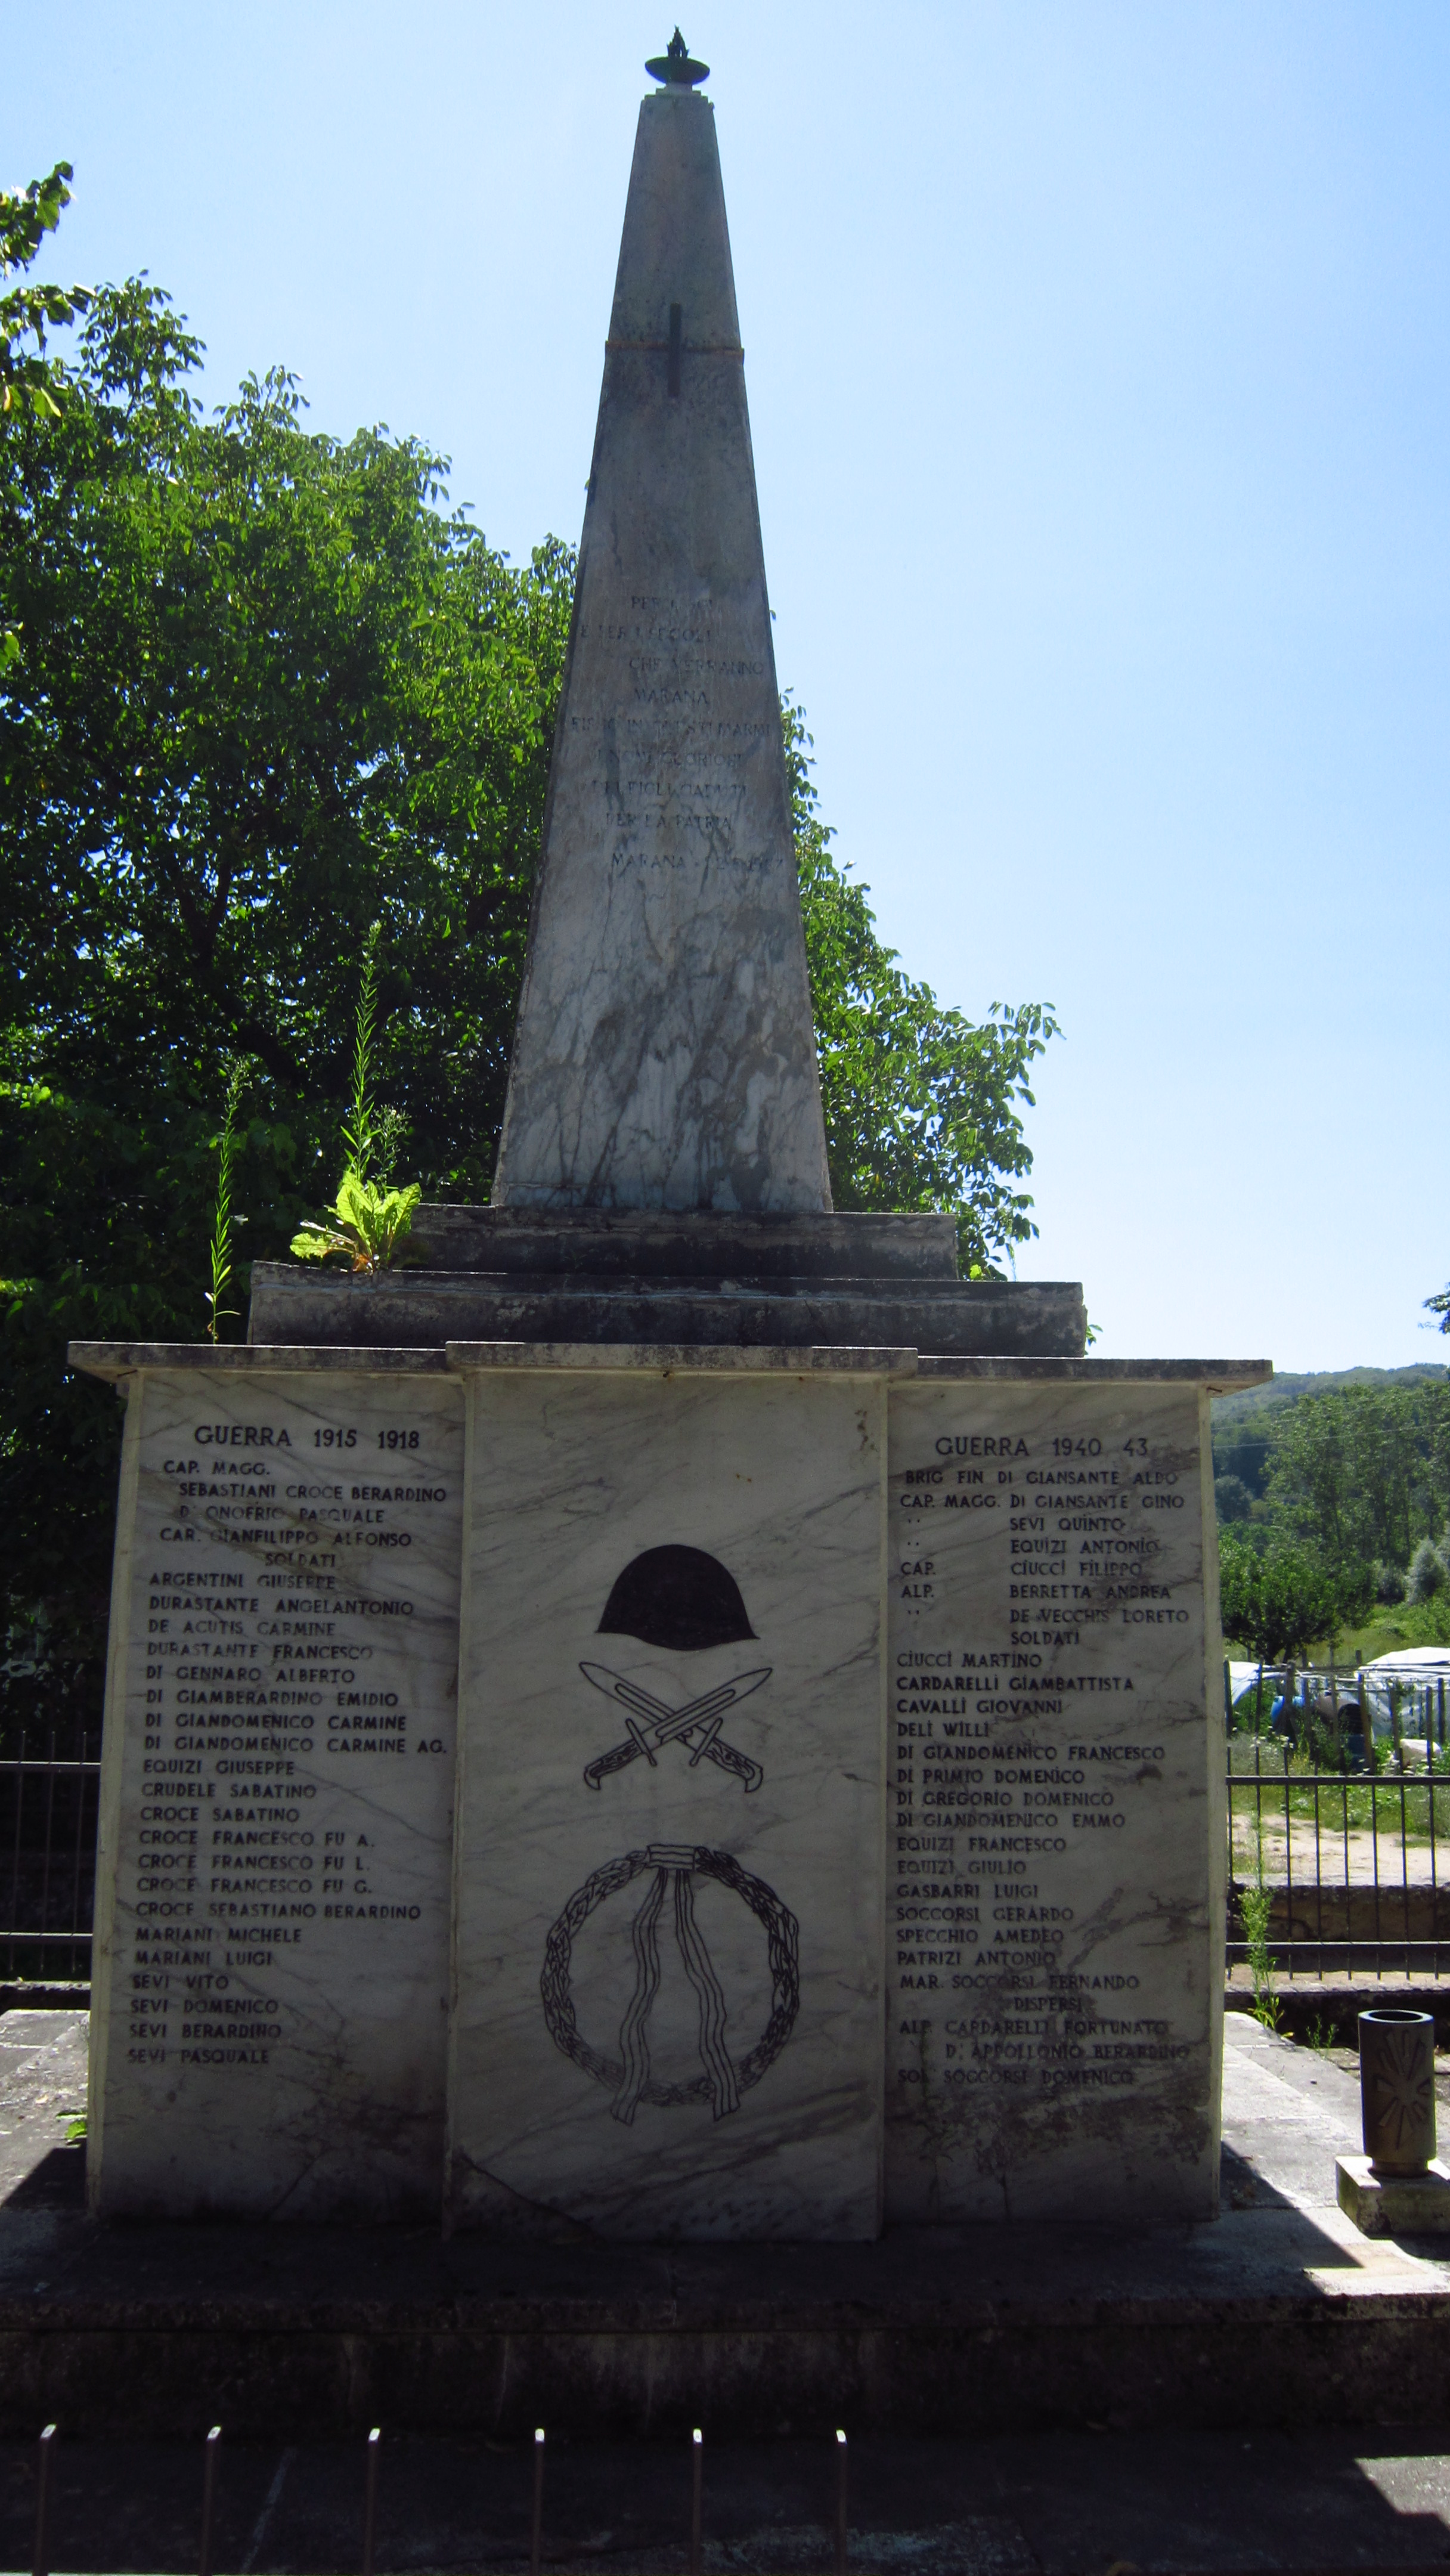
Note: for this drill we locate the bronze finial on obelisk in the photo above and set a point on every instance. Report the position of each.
(675, 65)
(665, 1055)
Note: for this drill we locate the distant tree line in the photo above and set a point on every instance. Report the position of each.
(1340, 1497)
(259, 690)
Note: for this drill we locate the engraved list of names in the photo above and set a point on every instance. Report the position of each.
(1051, 1831)
(271, 1952)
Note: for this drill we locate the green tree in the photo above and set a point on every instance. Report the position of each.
(1426, 1573)
(31, 379)
(268, 691)
(1280, 1604)
(1360, 1471)
(921, 1105)
(265, 693)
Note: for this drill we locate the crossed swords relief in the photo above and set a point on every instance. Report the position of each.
(652, 1723)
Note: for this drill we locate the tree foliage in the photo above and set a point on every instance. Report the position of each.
(267, 690)
(1362, 1472)
(922, 1108)
(1280, 1605)
(266, 693)
(29, 376)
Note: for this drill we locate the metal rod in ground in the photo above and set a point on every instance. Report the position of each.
(208, 2497)
(370, 2501)
(697, 2497)
(536, 2525)
(840, 2504)
(43, 2450)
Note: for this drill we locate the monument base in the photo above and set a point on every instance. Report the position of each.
(156, 2331)
(659, 1791)
(1394, 2204)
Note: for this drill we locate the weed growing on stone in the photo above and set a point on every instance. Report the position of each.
(222, 1218)
(368, 1221)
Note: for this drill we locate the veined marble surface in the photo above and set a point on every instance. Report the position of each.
(667, 2014)
(1056, 1841)
(268, 2032)
(665, 1055)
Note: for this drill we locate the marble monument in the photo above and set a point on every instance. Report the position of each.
(666, 1056)
(669, 1795)
(680, 1717)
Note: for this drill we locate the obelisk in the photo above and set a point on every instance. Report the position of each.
(665, 1054)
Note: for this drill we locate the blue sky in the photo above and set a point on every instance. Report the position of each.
(1097, 359)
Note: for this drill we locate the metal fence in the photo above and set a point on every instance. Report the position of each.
(48, 1806)
(1347, 1872)
(1352, 1868)
(42, 2549)
(1399, 1704)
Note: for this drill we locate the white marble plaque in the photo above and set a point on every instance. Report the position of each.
(668, 1974)
(270, 1976)
(1054, 1849)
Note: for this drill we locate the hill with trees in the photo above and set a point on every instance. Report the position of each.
(1348, 1472)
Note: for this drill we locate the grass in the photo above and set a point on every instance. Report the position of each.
(1391, 1804)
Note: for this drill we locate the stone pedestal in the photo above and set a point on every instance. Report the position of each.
(1394, 2204)
(837, 1789)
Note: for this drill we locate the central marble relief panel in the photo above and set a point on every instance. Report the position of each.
(667, 1989)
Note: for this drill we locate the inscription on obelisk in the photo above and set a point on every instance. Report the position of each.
(665, 1054)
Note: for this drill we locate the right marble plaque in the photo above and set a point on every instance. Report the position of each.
(1054, 1835)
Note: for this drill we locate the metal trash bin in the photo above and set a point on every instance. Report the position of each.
(1397, 2089)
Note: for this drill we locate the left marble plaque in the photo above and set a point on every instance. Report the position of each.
(271, 1956)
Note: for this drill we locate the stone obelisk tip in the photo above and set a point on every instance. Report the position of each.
(676, 67)
(665, 1056)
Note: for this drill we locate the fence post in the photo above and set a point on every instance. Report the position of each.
(536, 2523)
(40, 2563)
(208, 2497)
(840, 2504)
(697, 2498)
(370, 2502)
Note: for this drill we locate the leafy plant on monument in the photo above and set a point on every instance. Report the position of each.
(223, 1220)
(368, 1222)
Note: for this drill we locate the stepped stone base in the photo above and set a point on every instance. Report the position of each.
(120, 2332)
(590, 1276)
(623, 1242)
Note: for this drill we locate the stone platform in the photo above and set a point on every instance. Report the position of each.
(617, 1275)
(1278, 2313)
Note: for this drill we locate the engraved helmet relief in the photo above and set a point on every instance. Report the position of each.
(686, 1602)
(679, 1601)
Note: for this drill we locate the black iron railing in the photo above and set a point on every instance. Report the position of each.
(1351, 1868)
(1338, 1872)
(48, 1804)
